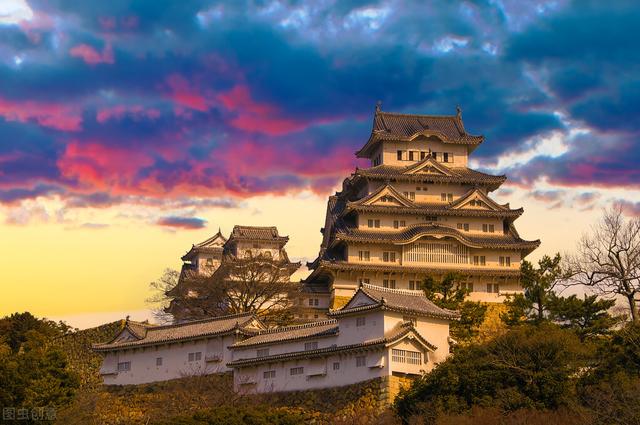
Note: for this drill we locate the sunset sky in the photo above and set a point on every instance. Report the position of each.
(131, 129)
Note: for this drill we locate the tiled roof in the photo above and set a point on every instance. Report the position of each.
(395, 126)
(269, 233)
(184, 331)
(463, 175)
(389, 338)
(434, 209)
(290, 333)
(388, 268)
(396, 299)
(416, 231)
(203, 247)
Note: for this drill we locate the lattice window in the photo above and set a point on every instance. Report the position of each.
(437, 252)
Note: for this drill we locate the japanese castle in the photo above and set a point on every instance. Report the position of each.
(417, 211)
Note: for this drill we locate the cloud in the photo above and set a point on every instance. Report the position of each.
(91, 56)
(182, 222)
(14, 12)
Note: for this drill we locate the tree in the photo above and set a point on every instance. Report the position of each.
(258, 285)
(528, 367)
(588, 316)
(449, 293)
(538, 284)
(159, 298)
(33, 371)
(607, 258)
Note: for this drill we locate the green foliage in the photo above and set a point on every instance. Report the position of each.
(538, 284)
(33, 372)
(450, 293)
(528, 367)
(588, 316)
(245, 415)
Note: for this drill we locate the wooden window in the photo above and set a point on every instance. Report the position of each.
(479, 260)
(124, 366)
(463, 226)
(493, 288)
(370, 223)
(310, 346)
(361, 321)
(501, 261)
(194, 357)
(296, 371)
(158, 361)
(423, 155)
(262, 352)
(269, 374)
(507, 261)
(412, 284)
(336, 366)
(449, 197)
(485, 228)
(406, 356)
(403, 223)
(434, 155)
(491, 228)
(396, 224)
(376, 223)
(389, 257)
(399, 155)
(364, 255)
(361, 361)
(411, 158)
(445, 157)
(364, 280)
(443, 197)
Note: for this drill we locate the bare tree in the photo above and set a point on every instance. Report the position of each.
(608, 258)
(159, 300)
(258, 285)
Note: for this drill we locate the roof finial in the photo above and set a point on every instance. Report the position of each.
(378, 106)
(127, 319)
(458, 112)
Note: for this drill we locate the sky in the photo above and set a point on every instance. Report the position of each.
(130, 130)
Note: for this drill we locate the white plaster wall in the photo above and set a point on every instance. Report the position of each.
(175, 362)
(386, 222)
(436, 331)
(352, 334)
(284, 381)
(258, 248)
(390, 149)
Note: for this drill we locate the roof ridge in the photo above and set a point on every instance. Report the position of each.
(296, 327)
(404, 114)
(210, 319)
(412, 292)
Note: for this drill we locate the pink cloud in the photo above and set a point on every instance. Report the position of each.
(101, 167)
(137, 112)
(254, 116)
(53, 115)
(91, 56)
(186, 95)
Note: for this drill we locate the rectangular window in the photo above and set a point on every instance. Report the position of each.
(430, 218)
(310, 345)
(364, 280)
(364, 255)
(399, 153)
(466, 227)
(449, 197)
(392, 283)
(495, 288)
(445, 157)
(501, 261)
(310, 301)
(483, 261)
(296, 371)
(443, 197)
(491, 228)
(406, 356)
(361, 321)
(479, 260)
(158, 361)
(485, 228)
(194, 357)
(412, 284)
(369, 223)
(376, 223)
(361, 361)
(411, 155)
(434, 155)
(269, 374)
(423, 155)
(403, 223)
(385, 283)
(389, 257)
(124, 366)
(336, 366)
(191, 356)
(396, 224)
(410, 195)
(262, 352)
(507, 261)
